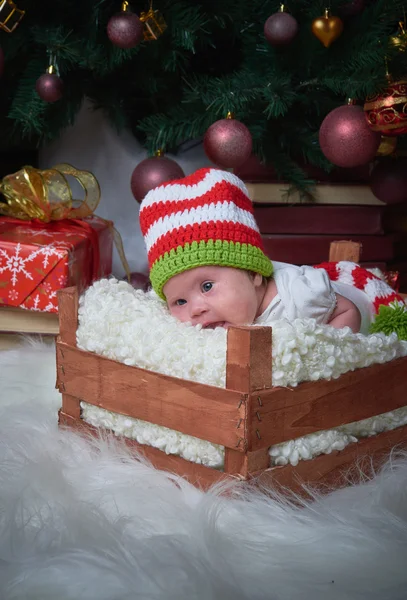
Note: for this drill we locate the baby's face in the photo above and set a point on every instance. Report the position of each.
(214, 296)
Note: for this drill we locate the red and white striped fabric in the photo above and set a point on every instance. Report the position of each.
(378, 291)
(203, 219)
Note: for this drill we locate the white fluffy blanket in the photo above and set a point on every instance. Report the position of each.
(85, 519)
(135, 328)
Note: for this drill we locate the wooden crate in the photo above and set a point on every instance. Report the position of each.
(247, 417)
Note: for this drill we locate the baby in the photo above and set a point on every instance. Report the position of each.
(207, 261)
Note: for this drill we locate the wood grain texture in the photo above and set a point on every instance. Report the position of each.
(283, 414)
(345, 250)
(203, 411)
(243, 465)
(338, 469)
(71, 406)
(68, 302)
(199, 475)
(248, 359)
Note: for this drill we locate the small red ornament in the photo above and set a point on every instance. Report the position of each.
(388, 180)
(281, 28)
(152, 172)
(346, 138)
(49, 86)
(387, 112)
(125, 29)
(228, 143)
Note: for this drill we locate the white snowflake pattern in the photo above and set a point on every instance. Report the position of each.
(51, 307)
(13, 295)
(16, 264)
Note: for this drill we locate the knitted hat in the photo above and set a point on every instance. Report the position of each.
(389, 307)
(203, 219)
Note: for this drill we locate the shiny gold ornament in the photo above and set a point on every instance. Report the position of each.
(10, 15)
(387, 146)
(327, 29)
(154, 24)
(399, 40)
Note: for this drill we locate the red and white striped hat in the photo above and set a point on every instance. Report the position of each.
(203, 219)
(378, 291)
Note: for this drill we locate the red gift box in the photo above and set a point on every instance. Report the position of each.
(37, 259)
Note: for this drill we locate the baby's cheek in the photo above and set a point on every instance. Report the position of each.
(179, 312)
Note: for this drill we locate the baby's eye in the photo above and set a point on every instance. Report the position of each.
(206, 286)
(180, 302)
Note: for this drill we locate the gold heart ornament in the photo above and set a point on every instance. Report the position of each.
(327, 29)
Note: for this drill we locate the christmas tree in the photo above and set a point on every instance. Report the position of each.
(204, 60)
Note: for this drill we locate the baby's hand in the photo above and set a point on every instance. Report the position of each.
(346, 314)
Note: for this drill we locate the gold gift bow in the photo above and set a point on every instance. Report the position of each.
(47, 196)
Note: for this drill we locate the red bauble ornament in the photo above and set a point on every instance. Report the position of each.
(346, 138)
(125, 29)
(387, 112)
(49, 87)
(228, 143)
(280, 29)
(388, 181)
(152, 172)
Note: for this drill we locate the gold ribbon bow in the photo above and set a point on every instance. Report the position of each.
(47, 196)
(32, 194)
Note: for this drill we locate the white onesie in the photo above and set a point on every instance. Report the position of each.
(305, 292)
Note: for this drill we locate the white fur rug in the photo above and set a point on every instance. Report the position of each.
(84, 519)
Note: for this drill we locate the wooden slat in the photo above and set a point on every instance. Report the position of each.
(71, 406)
(68, 301)
(287, 414)
(243, 465)
(203, 411)
(199, 475)
(332, 471)
(345, 250)
(248, 359)
(248, 368)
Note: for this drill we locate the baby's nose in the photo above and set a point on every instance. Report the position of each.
(197, 308)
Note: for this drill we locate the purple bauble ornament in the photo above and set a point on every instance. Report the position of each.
(125, 30)
(152, 172)
(346, 138)
(280, 29)
(388, 181)
(228, 143)
(49, 87)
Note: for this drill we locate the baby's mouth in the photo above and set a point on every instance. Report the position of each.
(214, 325)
